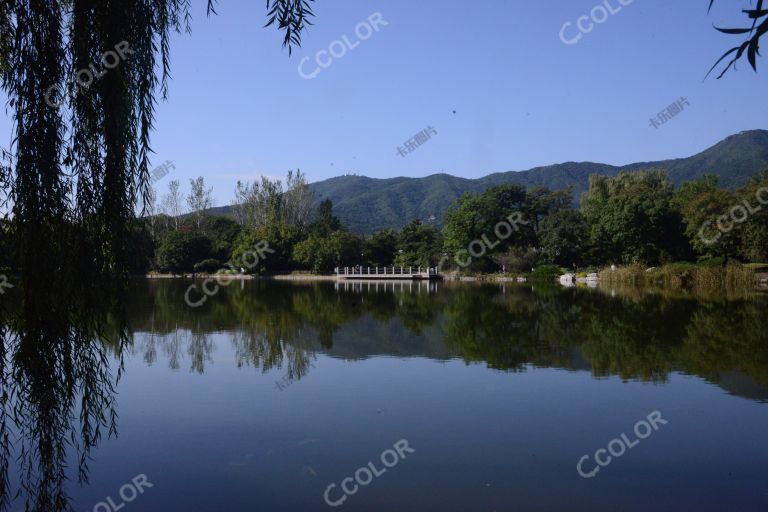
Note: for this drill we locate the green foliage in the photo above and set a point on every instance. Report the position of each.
(519, 259)
(181, 250)
(754, 232)
(223, 232)
(632, 218)
(547, 271)
(325, 221)
(564, 238)
(199, 200)
(542, 203)
(418, 245)
(474, 218)
(684, 276)
(281, 240)
(700, 204)
(324, 253)
(379, 249)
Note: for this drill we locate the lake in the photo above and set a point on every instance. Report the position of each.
(434, 396)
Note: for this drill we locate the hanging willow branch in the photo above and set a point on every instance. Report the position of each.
(81, 80)
(292, 16)
(751, 46)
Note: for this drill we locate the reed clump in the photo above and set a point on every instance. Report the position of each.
(684, 276)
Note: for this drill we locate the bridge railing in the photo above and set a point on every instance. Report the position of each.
(382, 271)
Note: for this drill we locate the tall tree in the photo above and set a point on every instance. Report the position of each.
(172, 202)
(199, 199)
(260, 204)
(380, 248)
(700, 204)
(476, 218)
(754, 197)
(418, 245)
(325, 221)
(564, 237)
(297, 200)
(541, 202)
(632, 218)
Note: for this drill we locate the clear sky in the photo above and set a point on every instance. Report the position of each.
(238, 107)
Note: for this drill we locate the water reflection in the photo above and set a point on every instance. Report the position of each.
(635, 336)
(59, 372)
(58, 391)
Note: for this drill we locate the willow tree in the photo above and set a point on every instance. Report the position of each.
(81, 80)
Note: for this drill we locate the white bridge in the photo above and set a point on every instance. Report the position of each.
(388, 273)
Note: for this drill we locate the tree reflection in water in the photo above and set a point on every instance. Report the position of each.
(635, 336)
(60, 360)
(58, 391)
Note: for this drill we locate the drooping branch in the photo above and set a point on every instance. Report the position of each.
(291, 16)
(751, 46)
(82, 78)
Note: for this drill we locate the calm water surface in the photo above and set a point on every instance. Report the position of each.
(271, 392)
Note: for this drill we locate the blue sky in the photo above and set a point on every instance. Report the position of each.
(238, 108)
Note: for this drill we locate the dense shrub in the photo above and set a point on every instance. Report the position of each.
(547, 271)
(179, 251)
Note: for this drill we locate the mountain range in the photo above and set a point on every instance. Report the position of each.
(367, 204)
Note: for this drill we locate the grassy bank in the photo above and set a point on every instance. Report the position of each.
(687, 276)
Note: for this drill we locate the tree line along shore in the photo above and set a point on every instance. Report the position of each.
(634, 221)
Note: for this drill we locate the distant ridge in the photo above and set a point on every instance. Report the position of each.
(369, 204)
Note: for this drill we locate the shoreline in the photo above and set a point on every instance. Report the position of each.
(621, 275)
(245, 277)
(499, 278)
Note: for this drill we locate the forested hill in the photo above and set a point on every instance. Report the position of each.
(368, 204)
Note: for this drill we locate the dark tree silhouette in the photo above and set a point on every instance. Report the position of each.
(81, 80)
(758, 28)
